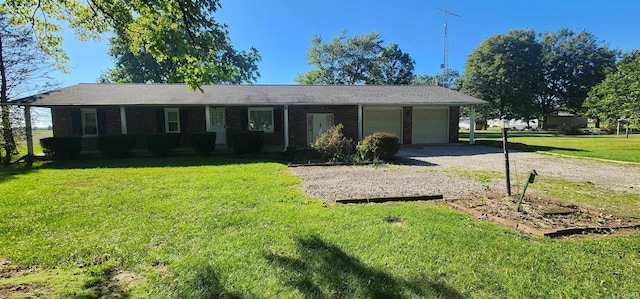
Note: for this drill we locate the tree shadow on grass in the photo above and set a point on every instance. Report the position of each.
(207, 284)
(525, 147)
(153, 162)
(323, 270)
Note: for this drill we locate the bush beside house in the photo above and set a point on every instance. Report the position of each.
(203, 143)
(61, 148)
(334, 146)
(116, 146)
(247, 142)
(379, 146)
(161, 144)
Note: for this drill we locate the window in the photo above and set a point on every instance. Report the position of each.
(261, 119)
(172, 120)
(89, 122)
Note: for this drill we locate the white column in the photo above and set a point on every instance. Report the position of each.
(28, 131)
(472, 125)
(123, 120)
(360, 125)
(286, 127)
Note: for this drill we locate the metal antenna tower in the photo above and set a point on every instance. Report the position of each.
(445, 61)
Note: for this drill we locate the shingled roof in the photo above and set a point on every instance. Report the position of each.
(247, 95)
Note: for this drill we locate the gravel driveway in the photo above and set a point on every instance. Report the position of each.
(428, 171)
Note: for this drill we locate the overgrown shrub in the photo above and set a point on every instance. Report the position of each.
(610, 129)
(334, 146)
(379, 146)
(247, 142)
(61, 148)
(203, 142)
(566, 129)
(162, 143)
(116, 146)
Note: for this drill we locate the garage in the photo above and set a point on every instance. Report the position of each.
(430, 125)
(383, 120)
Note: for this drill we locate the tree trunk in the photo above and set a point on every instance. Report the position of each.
(7, 132)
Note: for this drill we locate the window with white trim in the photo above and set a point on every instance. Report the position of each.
(89, 122)
(172, 120)
(261, 119)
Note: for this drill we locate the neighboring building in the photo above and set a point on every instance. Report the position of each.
(516, 124)
(290, 115)
(567, 119)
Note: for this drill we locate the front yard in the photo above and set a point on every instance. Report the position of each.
(224, 227)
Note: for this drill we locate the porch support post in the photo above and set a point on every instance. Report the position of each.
(28, 130)
(286, 127)
(472, 125)
(360, 124)
(207, 118)
(123, 120)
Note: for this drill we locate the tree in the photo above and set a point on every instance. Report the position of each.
(23, 69)
(450, 81)
(181, 31)
(361, 59)
(392, 66)
(506, 71)
(573, 64)
(618, 95)
(142, 67)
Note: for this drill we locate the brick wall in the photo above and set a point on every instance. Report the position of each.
(346, 115)
(407, 119)
(142, 121)
(454, 123)
(235, 123)
(61, 121)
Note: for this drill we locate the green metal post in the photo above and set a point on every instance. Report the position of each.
(532, 176)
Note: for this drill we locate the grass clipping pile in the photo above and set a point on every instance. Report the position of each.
(543, 216)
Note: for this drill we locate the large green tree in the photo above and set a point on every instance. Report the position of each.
(573, 64)
(141, 67)
(618, 95)
(23, 70)
(506, 71)
(362, 59)
(181, 31)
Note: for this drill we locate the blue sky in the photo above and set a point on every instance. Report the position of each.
(281, 30)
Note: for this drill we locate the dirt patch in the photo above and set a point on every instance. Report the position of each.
(115, 283)
(29, 290)
(22, 291)
(543, 216)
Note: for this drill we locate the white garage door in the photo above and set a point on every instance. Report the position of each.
(430, 126)
(383, 120)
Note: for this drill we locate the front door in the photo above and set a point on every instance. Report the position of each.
(218, 125)
(318, 123)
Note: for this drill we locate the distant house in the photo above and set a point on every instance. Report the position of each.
(290, 115)
(565, 118)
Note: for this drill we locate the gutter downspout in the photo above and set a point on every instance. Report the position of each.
(286, 127)
(472, 125)
(123, 120)
(360, 124)
(207, 118)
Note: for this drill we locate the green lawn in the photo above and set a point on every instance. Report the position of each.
(610, 147)
(188, 227)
